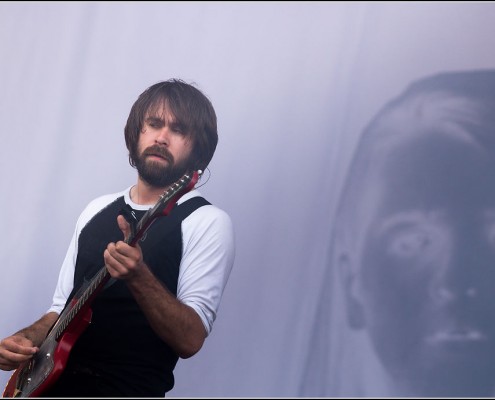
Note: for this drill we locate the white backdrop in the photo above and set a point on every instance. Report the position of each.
(293, 83)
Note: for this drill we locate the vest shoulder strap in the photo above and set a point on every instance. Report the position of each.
(183, 210)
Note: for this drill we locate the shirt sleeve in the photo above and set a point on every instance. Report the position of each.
(207, 259)
(65, 277)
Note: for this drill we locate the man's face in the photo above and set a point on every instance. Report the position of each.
(427, 267)
(164, 150)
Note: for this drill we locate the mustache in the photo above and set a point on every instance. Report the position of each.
(159, 151)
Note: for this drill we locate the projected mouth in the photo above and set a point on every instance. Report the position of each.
(464, 335)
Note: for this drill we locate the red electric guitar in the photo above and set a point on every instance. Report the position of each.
(37, 375)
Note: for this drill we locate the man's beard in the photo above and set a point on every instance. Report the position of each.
(155, 173)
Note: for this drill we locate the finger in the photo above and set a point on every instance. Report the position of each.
(113, 265)
(124, 226)
(6, 366)
(18, 344)
(126, 253)
(14, 358)
(119, 252)
(10, 360)
(122, 258)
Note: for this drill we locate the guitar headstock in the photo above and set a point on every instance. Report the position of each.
(170, 197)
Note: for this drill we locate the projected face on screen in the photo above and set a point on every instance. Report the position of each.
(421, 277)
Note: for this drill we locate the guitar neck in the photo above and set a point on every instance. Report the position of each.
(82, 300)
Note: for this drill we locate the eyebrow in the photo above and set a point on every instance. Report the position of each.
(154, 119)
(405, 217)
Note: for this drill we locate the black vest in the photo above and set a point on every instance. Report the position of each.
(119, 343)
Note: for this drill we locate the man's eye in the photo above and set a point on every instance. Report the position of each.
(178, 129)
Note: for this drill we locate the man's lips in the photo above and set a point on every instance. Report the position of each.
(158, 156)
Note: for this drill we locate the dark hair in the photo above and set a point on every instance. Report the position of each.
(444, 103)
(192, 110)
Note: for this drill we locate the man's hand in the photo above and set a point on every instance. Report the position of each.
(122, 260)
(14, 350)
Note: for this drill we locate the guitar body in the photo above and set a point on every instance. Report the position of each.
(43, 370)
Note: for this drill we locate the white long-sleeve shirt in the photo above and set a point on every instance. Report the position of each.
(208, 251)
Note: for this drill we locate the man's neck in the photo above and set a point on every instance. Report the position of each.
(144, 194)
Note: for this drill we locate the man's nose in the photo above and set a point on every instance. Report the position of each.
(163, 136)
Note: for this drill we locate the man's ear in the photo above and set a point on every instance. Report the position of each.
(355, 311)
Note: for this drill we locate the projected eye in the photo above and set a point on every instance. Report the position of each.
(409, 242)
(415, 234)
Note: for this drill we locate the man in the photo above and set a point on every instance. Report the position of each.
(165, 289)
(415, 237)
